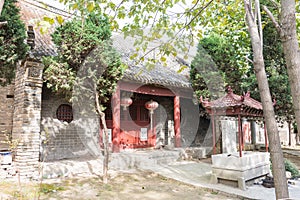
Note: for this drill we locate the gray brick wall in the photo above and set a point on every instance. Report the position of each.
(62, 140)
(6, 114)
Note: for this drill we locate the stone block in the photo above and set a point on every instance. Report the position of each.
(250, 166)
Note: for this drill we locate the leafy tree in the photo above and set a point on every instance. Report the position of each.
(255, 31)
(75, 42)
(85, 47)
(12, 46)
(238, 72)
(277, 73)
(205, 76)
(222, 54)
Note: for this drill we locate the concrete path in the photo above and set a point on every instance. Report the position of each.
(164, 163)
(198, 174)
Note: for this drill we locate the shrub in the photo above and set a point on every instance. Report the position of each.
(291, 167)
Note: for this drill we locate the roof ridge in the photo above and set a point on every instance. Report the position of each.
(47, 7)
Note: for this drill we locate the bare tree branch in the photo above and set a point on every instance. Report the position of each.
(1, 5)
(257, 9)
(156, 13)
(276, 24)
(249, 60)
(275, 4)
(3, 23)
(248, 8)
(121, 3)
(199, 12)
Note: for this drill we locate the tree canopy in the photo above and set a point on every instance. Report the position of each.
(12, 45)
(83, 45)
(227, 48)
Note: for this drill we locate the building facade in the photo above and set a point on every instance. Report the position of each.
(46, 126)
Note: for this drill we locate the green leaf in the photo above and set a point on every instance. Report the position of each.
(163, 59)
(183, 67)
(60, 19)
(90, 6)
(43, 29)
(50, 20)
(74, 6)
(133, 56)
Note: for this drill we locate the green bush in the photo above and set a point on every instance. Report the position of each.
(291, 167)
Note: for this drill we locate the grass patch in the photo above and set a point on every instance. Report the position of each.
(46, 188)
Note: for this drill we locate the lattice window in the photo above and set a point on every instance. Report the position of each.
(133, 112)
(144, 114)
(64, 113)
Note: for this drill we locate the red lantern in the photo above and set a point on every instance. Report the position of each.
(151, 105)
(125, 102)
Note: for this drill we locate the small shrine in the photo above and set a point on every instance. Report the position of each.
(232, 166)
(233, 105)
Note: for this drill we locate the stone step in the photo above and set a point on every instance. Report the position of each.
(126, 160)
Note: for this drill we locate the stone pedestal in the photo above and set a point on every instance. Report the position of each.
(239, 170)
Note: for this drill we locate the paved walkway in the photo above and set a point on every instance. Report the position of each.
(162, 162)
(198, 174)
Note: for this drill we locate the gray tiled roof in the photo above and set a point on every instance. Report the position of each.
(165, 76)
(32, 11)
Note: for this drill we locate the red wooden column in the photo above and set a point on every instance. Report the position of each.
(177, 121)
(266, 137)
(240, 135)
(116, 120)
(213, 134)
(243, 136)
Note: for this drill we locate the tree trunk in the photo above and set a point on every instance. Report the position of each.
(290, 133)
(280, 182)
(1, 5)
(106, 150)
(104, 136)
(291, 51)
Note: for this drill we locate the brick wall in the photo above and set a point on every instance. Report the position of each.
(63, 140)
(26, 117)
(189, 121)
(6, 114)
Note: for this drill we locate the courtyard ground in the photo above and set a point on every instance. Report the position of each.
(122, 186)
(157, 183)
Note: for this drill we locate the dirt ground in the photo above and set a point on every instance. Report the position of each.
(123, 186)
